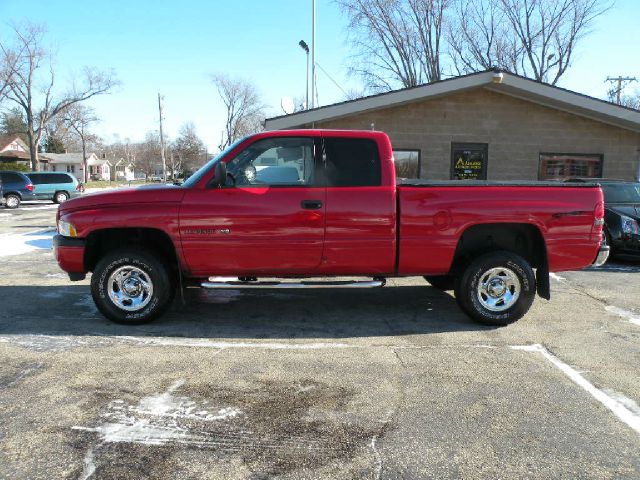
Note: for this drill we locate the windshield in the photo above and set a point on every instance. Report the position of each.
(622, 193)
(197, 176)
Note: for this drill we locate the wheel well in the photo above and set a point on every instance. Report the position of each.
(520, 238)
(101, 242)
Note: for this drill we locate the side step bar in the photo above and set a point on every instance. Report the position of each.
(377, 282)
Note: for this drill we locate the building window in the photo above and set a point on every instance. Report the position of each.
(407, 163)
(71, 169)
(558, 166)
(469, 161)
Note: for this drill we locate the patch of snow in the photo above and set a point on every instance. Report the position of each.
(556, 277)
(631, 317)
(18, 244)
(159, 419)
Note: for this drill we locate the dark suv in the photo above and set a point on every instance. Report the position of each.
(16, 188)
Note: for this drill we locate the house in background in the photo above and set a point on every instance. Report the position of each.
(99, 168)
(123, 170)
(491, 125)
(14, 149)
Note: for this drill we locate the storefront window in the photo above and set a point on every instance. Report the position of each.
(407, 163)
(559, 166)
(469, 161)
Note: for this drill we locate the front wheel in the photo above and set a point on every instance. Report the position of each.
(60, 197)
(497, 288)
(131, 286)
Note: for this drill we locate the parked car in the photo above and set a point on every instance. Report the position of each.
(17, 187)
(622, 214)
(325, 203)
(55, 186)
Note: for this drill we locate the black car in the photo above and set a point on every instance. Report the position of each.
(16, 187)
(622, 216)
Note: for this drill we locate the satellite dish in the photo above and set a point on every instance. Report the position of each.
(287, 105)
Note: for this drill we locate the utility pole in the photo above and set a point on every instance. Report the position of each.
(620, 87)
(313, 53)
(164, 161)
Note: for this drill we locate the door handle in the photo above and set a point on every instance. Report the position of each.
(311, 204)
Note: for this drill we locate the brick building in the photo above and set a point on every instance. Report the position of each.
(491, 125)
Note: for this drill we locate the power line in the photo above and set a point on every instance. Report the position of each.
(619, 80)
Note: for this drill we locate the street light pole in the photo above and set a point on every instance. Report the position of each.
(164, 161)
(305, 47)
(313, 53)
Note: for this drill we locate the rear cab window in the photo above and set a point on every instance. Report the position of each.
(352, 162)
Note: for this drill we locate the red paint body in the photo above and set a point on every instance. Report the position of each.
(386, 230)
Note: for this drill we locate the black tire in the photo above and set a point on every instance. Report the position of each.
(12, 201)
(469, 297)
(442, 282)
(155, 270)
(606, 240)
(60, 197)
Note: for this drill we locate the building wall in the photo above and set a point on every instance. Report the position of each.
(517, 131)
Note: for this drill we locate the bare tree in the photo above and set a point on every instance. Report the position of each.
(245, 109)
(34, 69)
(534, 38)
(78, 118)
(396, 41)
(187, 151)
(148, 158)
(481, 38)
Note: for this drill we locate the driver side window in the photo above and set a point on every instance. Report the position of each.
(274, 162)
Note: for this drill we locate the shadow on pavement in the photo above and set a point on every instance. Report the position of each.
(234, 314)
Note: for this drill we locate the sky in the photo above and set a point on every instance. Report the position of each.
(173, 48)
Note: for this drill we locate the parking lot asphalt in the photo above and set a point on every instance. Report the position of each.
(389, 383)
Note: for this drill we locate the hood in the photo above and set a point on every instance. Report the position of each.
(628, 209)
(123, 196)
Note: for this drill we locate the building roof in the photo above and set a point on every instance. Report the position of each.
(76, 158)
(495, 80)
(6, 140)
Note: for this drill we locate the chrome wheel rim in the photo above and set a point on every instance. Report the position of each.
(498, 289)
(12, 202)
(130, 288)
(61, 197)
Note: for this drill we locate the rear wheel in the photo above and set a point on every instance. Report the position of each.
(131, 286)
(12, 201)
(606, 241)
(60, 197)
(497, 288)
(442, 282)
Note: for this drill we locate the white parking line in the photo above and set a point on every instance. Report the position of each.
(626, 314)
(222, 345)
(618, 404)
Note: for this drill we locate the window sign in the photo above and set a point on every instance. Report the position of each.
(469, 161)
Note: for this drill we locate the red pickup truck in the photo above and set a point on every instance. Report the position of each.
(325, 203)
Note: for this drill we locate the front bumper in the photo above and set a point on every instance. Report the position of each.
(69, 253)
(603, 256)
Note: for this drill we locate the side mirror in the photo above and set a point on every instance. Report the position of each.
(220, 178)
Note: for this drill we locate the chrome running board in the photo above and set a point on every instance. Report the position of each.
(378, 282)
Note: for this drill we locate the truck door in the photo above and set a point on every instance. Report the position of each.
(360, 236)
(268, 219)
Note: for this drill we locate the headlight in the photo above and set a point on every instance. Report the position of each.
(629, 225)
(66, 229)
